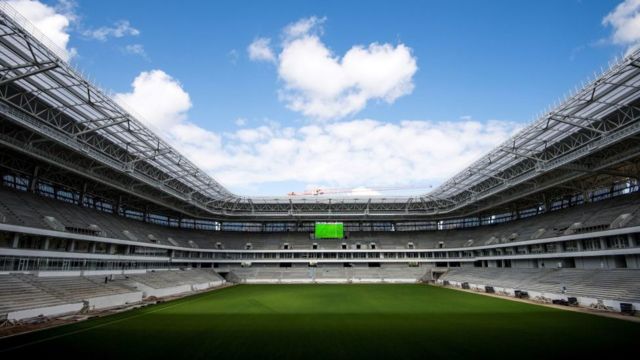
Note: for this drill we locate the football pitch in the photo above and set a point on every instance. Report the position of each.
(333, 322)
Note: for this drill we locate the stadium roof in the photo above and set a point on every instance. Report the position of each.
(43, 93)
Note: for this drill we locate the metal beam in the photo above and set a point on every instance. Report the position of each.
(27, 74)
(100, 127)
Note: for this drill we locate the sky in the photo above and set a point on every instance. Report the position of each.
(356, 98)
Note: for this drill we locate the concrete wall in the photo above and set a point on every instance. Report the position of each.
(58, 273)
(333, 281)
(167, 291)
(110, 301)
(204, 286)
(175, 290)
(45, 311)
(92, 272)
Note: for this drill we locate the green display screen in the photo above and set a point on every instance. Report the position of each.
(329, 231)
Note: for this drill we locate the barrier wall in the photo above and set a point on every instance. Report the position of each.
(45, 311)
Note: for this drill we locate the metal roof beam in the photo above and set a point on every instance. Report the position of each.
(26, 65)
(564, 121)
(100, 127)
(29, 73)
(513, 152)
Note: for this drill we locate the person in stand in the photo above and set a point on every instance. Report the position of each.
(106, 279)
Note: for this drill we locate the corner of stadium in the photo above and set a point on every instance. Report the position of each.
(113, 244)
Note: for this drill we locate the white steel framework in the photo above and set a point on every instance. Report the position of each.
(51, 112)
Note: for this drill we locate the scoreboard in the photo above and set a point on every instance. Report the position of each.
(332, 230)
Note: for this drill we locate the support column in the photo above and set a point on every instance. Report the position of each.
(118, 205)
(16, 241)
(83, 192)
(547, 203)
(34, 179)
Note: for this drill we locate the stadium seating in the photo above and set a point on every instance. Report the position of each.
(391, 273)
(16, 294)
(74, 288)
(612, 284)
(166, 279)
(29, 295)
(26, 209)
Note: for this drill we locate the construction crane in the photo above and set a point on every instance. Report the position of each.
(331, 191)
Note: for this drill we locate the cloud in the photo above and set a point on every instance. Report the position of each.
(347, 154)
(322, 85)
(260, 50)
(136, 49)
(158, 98)
(233, 56)
(240, 122)
(68, 9)
(119, 29)
(625, 21)
(303, 27)
(52, 21)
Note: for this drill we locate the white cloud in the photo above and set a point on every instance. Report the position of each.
(303, 27)
(119, 29)
(346, 154)
(233, 56)
(260, 50)
(625, 21)
(240, 122)
(136, 49)
(322, 85)
(52, 21)
(68, 9)
(158, 98)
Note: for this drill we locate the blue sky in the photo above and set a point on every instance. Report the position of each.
(481, 67)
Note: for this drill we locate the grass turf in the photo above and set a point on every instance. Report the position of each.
(331, 322)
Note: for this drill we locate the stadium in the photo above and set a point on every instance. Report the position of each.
(115, 244)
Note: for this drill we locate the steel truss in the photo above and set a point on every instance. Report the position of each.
(51, 112)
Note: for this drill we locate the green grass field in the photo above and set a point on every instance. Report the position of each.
(333, 322)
